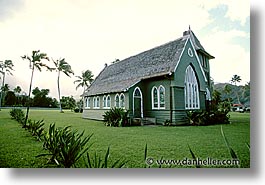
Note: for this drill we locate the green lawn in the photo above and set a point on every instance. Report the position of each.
(18, 148)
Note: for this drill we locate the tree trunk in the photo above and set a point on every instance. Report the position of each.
(27, 114)
(1, 96)
(59, 94)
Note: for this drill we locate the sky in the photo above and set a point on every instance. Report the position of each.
(90, 33)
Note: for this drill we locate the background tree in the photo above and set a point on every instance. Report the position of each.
(35, 61)
(40, 98)
(17, 90)
(84, 80)
(10, 98)
(234, 80)
(62, 66)
(68, 102)
(4, 89)
(5, 68)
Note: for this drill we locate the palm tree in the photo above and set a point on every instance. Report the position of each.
(84, 80)
(6, 67)
(234, 80)
(62, 66)
(4, 89)
(35, 61)
(17, 89)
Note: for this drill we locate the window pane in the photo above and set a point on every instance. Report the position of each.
(122, 100)
(155, 96)
(191, 89)
(97, 101)
(108, 101)
(117, 101)
(162, 96)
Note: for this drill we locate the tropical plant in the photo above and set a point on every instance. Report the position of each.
(62, 66)
(6, 67)
(115, 117)
(64, 145)
(97, 162)
(18, 115)
(84, 80)
(36, 128)
(35, 61)
(234, 80)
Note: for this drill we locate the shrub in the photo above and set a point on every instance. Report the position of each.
(116, 117)
(36, 128)
(78, 110)
(18, 115)
(64, 145)
(97, 162)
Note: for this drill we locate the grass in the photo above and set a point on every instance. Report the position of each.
(18, 148)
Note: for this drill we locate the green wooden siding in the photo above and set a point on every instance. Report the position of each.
(186, 60)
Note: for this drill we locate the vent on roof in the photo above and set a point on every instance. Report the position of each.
(186, 33)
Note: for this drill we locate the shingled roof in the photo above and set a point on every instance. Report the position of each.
(120, 76)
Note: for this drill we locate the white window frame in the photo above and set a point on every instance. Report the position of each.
(159, 107)
(87, 102)
(104, 101)
(120, 102)
(141, 97)
(153, 96)
(117, 103)
(159, 100)
(108, 102)
(96, 102)
(191, 89)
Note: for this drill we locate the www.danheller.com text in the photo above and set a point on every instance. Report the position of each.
(193, 162)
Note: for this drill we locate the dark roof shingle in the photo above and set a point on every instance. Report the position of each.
(158, 61)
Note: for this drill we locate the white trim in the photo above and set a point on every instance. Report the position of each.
(105, 101)
(123, 100)
(87, 103)
(141, 96)
(96, 102)
(191, 89)
(208, 94)
(152, 96)
(117, 96)
(181, 55)
(159, 103)
(194, 51)
(158, 97)
(190, 52)
(198, 60)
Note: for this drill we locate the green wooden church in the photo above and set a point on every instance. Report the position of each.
(157, 85)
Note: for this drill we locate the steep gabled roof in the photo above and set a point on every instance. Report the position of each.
(124, 74)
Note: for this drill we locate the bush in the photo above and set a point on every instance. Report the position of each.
(77, 110)
(36, 128)
(116, 117)
(18, 115)
(64, 145)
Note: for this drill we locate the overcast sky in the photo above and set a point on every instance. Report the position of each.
(90, 33)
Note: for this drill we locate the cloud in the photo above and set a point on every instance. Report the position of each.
(230, 58)
(9, 7)
(89, 34)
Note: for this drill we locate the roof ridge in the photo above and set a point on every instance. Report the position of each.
(124, 60)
